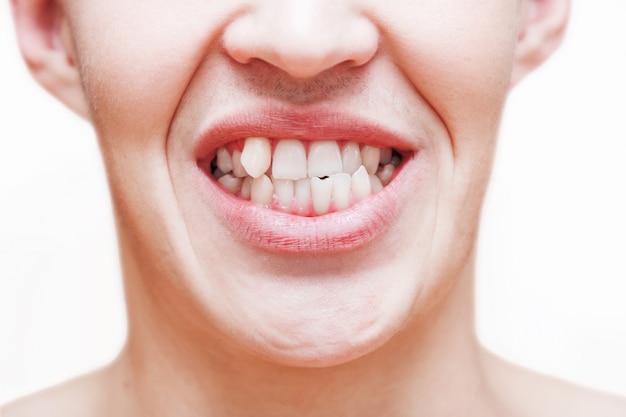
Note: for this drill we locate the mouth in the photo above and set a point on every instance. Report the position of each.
(293, 182)
(305, 178)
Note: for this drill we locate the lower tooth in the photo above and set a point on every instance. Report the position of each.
(375, 184)
(284, 191)
(231, 183)
(361, 187)
(246, 188)
(341, 190)
(303, 192)
(321, 194)
(262, 190)
(385, 173)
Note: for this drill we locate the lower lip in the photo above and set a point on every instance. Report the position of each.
(343, 230)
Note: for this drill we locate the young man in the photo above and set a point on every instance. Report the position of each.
(297, 188)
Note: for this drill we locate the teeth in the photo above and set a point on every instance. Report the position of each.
(238, 169)
(351, 157)
(324, 159)
(303, 192)
(256, 156)
(341, 190)
(361, 187)
(370, 156)
(328, 179)
(375, 184)
(385, 156)
(262, 191)
(285, 190)
(289, 162)
(246, 188)
(321, 194)
(231, 183)
(224, 162)
(385, 173)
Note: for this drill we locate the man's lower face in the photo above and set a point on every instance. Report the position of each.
(311, 211)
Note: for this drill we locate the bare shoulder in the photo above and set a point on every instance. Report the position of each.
(80, 397)
(537, 395)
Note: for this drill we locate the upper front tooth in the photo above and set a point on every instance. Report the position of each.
(324, 159)
(370, 155)
(289, 161)
(256, 156)
(351, 157)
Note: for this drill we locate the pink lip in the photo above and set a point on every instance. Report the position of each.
(282, 232)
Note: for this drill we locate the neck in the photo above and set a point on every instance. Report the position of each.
(436, 357)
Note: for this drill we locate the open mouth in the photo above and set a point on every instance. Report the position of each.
(305, 178)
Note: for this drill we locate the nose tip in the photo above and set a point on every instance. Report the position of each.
(302, 38)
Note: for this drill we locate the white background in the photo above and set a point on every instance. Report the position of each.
(552, 265)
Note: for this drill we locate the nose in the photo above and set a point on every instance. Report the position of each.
(302, 37)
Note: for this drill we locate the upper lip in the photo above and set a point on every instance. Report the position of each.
(278, 123)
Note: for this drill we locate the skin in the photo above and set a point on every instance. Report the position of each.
(219, 326)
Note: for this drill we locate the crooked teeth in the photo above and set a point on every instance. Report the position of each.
(361, 186)
(262, 190)
(331, 177)
(321, 194)
(238, 169)
(324, 159)
(342, 184)
(370, 156)
(351, 157)
(256, 156)
(285, 190)
(224, 160)
(289, 160)
(303, 192)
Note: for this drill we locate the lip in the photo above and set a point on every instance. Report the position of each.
(277, 231)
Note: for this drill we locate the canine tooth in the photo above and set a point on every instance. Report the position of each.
(238, 169)
(361, 187)
(351, 157)
(341, 190)
(385, 173)
(303, 192)
(246, 188)
(324, 159)
(224, 162)
(289, 162)
(385, 156)
(262, 190)
(370, 155)
(321, 194)
(256, 156)
(285, 190)
(231, 183)
(375, 184)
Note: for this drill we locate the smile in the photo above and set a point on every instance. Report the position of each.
(290, 181)
(303, 177)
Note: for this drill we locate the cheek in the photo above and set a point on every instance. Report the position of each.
(459, 57)
(136, 67)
